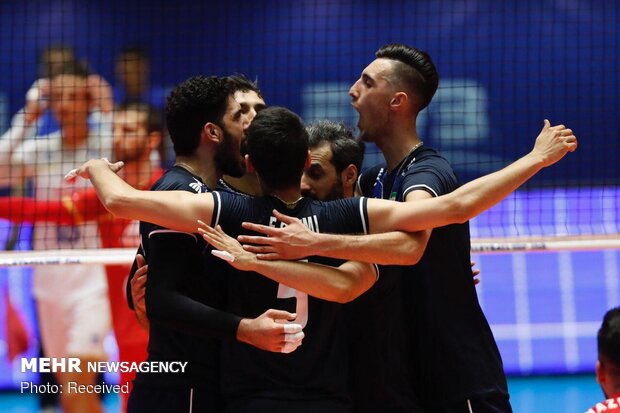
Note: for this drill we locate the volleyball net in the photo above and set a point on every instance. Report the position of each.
(504, 67)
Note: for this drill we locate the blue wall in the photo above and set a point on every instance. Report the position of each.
(533, 59)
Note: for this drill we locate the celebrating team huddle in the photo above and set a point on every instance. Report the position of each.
(326, 301)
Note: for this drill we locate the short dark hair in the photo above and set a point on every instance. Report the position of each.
(417, 71)
(609, 337)
(238, 82)
(193, 103)
(48, 69)
(153, 115)
(77, 68)
(277, 143)
(346, 149)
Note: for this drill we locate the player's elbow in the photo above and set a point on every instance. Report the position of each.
(344, 292)
(351, 290)
(411, 257)
(344, 296)
(116, 203)
(460, 209)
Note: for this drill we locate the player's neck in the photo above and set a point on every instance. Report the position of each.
(289, 196)
(75, 134)
(138, 173)
(398, 144)
(248, 184)
(206, 170)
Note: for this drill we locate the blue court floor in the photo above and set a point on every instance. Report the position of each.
(549, 394)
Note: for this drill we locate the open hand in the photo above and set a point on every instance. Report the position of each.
(226, 247)
(292, 242)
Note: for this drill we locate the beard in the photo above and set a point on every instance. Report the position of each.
(336, 192)
(228, 159)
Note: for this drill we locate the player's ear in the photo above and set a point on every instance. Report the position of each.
(398, 100)
(212, 132)
(249, 167)
(308, 161)
(349, 175)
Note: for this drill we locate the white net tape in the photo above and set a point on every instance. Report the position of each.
(479, 246)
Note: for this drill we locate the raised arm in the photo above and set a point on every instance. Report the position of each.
(476, 196)
(177, 210)
(295, 241)
(339, 284)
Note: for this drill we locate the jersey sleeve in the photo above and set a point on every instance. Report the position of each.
(229, 209)
(434, 176)
(348, 216)
(172, 258)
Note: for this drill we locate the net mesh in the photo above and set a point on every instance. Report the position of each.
(504, 67)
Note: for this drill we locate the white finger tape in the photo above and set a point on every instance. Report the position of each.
(293, 338)
(71, 175)
(226, 256)
(292, 328)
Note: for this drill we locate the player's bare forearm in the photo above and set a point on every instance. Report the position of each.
(178, 210)
(476, 196)
(390, 248)
(339, 284)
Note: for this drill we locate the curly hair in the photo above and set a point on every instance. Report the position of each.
(193, 103)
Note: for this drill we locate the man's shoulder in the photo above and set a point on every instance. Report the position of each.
(430, 156)
(177, 179)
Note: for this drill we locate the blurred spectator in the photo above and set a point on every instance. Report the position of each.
(72, 301)
(132, 68)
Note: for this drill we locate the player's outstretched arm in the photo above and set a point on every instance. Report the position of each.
(339, 284)
(476, 196)
(295, 240)
(176, 210)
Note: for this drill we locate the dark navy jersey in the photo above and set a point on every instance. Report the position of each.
(183, 294)
(453, 352)
(318, 368)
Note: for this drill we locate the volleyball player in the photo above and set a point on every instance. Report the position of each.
(608, 363)
(336, 160)
(183, 294)
(178, 210)
(249, 96)
(455, 365)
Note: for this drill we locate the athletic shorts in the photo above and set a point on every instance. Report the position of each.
(75, 327)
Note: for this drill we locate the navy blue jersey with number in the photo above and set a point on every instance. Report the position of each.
(318, 368)
(453, 355)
